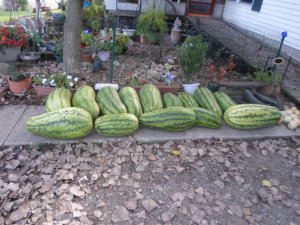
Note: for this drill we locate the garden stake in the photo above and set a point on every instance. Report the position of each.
(113, 52)
(289, 62)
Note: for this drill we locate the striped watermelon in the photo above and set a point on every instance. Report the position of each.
(131, 101)
(59, 98)
(85, 98)
(169, 119)
(206, 118)
(150, 98)
(109, 101)
(121, 124)
(206, 99)
(187, 100)
(251, 116)
(170, 100)
(65, 123)
(224, 100)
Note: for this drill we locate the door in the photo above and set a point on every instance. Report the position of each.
(200, 7)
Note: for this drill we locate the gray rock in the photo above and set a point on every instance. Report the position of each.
(19, 214)
(149, 205)
(167, 216)
(141, 215)
(177, 197)
(131, 204)
(120, 214)
(97, 213)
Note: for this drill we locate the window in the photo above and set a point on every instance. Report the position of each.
(129, 1)
(247, 1)
(256, 6)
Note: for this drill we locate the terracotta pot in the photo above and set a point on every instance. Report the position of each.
(45, 91)
(86, 57)
(20, 87)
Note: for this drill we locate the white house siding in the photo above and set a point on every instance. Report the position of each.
(273, 18)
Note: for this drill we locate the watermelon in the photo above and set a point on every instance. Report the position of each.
(65, 123)
(150, 98)
(187, 100)
(84, 98)
(224, 100)
(109, 101)
(121, 124)
(169, 119)
(251, 116)
(206, 99)
(131, 100)
(59, 98)
(170, 100)
(206, 118)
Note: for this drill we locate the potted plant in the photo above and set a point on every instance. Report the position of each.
(93, 16)
(192, 56)
(18, 82)
(273, 80)
(152, 25)
(104, 52)
(44, 85)
(86, 38)
(12, 39)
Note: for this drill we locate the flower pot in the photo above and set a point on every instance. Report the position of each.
(190, 88)
(20, 87)
(82, 45)
(42, 91)
(129, 32)
(86, 57)
(9, 54)
(176, 36)
(104, 55)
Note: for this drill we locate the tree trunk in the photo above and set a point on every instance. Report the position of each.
(72, 37)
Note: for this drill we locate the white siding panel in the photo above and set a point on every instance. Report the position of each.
(273, 18)
(110, 5)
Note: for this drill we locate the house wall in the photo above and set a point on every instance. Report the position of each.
(273, 18)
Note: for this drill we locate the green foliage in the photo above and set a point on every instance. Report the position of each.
(93, 16)
(86, 38)
(59, 46)
(15, 75)
(192, 56)
(22, 4)
(152, 22)
(105, 46)
(268, 76)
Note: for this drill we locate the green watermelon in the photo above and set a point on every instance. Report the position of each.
(131, 101)
(150, 98)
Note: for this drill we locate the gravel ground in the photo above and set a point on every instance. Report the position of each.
(187, 182)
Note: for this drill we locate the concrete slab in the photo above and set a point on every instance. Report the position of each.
(146, 135)
(20, 136)
(9, 116)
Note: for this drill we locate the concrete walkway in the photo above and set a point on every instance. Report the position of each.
(13, 131)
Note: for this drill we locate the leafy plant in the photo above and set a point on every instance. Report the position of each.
(86, 38)
(56, 80)
(151, 23)
(59, 47)
(268, 76)
(93, 15)
(105, 46)
(192, 56)
(16, 76)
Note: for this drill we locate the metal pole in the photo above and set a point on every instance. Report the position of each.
(111, 77)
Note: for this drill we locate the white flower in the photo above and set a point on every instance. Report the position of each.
(44, 81)
(52, 83)
(76, 79)
(69, 77)
(191, 44)
(71, 84)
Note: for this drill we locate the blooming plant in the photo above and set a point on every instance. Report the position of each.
(87, 38)
(13, 36)
(56, 80)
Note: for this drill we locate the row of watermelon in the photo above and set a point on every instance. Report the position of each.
(123, 112)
